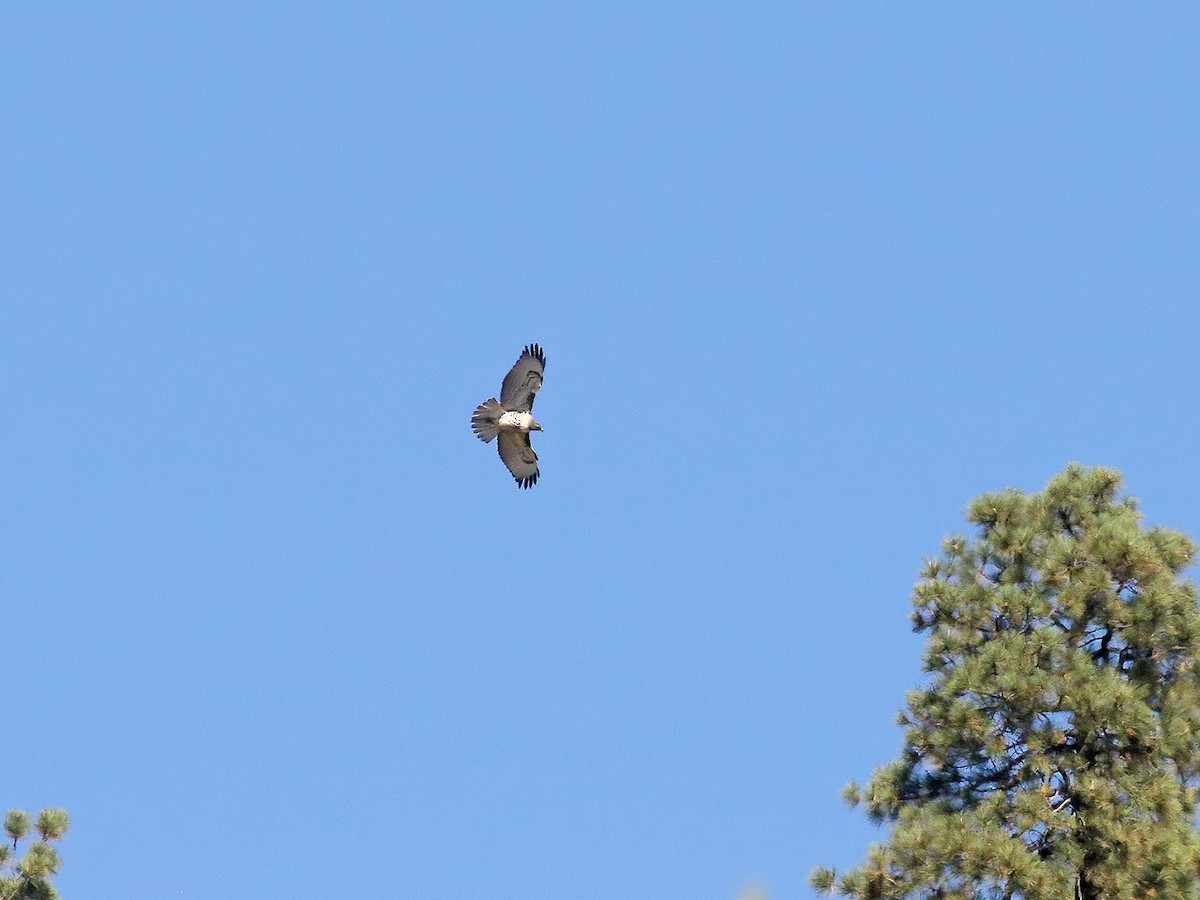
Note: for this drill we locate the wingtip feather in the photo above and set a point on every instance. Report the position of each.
(536, 352)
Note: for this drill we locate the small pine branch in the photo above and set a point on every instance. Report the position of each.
(52, 823)
(16, 824)
(823, 880)
(29, 877)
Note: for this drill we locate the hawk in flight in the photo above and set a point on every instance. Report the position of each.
(510, 419)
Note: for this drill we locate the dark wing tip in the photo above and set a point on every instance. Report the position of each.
(536, 352)
(528, 482)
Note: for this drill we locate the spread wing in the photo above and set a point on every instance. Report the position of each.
(522, 382)
(518, 455)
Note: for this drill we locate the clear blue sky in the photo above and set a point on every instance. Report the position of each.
(808, 276)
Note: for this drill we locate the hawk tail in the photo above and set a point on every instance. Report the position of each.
(484, 420)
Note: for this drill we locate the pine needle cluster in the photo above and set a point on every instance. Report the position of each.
(28, 877)
(1055, 751)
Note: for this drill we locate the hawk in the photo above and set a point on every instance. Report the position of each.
(510, 419)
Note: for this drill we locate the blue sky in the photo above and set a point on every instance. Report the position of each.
(808, 276)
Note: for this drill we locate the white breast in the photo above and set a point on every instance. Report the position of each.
(521, 420)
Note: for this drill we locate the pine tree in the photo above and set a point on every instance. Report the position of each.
(28, 878)
(1055, 751)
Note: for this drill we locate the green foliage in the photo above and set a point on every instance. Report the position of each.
(52, 823)
(29, 877)
(16, 823)
(1055, 752)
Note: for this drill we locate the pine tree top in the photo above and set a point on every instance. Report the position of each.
(1055, 750)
